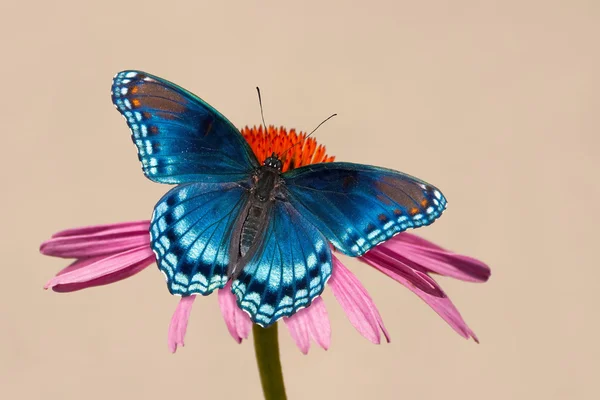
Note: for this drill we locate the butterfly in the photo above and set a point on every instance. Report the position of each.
(234, 217)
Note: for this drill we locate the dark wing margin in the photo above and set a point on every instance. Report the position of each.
(359, 206)
(180, 138)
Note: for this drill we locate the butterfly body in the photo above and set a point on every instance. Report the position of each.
(232, 219)
(251, 224)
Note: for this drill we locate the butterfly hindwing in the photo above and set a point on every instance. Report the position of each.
(359, 206)
(288, 271)
(197, 229)
(191, 231)
(179, 137)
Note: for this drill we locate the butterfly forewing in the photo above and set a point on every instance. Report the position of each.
(230, 218)
(179, 137)
(359, 206)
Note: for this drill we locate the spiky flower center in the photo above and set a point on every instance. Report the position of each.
(293, 147)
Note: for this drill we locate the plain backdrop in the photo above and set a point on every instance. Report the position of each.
(496, 103)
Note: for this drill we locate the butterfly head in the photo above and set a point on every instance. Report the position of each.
(273, 162)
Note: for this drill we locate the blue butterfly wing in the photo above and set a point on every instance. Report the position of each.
(288, 271)
(191, 231)
(179, 137)
(359, 206)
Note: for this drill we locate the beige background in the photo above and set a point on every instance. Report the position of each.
(494, 102)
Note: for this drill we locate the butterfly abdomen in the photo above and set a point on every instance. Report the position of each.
(261, 202)
(251, 228)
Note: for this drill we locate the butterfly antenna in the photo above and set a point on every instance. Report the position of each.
(262, 115)
(318, 126)
(307, 136)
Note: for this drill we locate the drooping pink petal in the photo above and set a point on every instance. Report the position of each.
(237, 321)
(77, 265)
(117, 228)
(395, 268)
(441, 304)
(298, 328)
(319, 326)
(357, 303)
(447, 310)
(417, 240)
(103, 280)
(179, 322)
(311, 322)
(428, 257)
(97, 271)
(97, 240)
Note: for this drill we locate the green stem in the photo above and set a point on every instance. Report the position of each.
(266, 346)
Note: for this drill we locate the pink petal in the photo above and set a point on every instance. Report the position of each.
(117, 228)
(97, 240)
(357, 303)
(237, 321)
(447, 310)
(441, 304)
(104, 280)
(298, 328)
(311, 322)
(395, 268)
(427, 257)
(417, 240)
(78, 264)
(179, 322)
(97, 271)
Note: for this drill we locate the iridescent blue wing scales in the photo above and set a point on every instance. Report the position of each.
(191, 231)
(359, 206)
(288, 271)
(179, 137)
(182, 140)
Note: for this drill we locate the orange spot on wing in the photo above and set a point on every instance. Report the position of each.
(208, 128)
(134, 89)
(136, 102)
(413, 211)
(424, 203)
